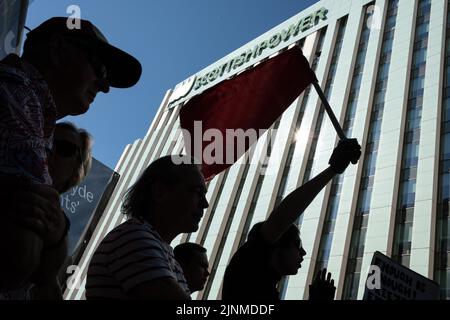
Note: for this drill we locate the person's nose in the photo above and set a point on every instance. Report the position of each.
(103, 85)
(302, 252)
(205, 203)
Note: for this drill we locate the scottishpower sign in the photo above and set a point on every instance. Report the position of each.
(282, 38)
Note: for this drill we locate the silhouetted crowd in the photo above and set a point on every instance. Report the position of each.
(59, 74)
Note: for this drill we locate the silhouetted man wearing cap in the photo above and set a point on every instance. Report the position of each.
(60, 73)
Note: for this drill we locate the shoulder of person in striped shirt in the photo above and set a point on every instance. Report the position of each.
(131, 254)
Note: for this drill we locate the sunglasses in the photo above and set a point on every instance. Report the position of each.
(99, 68)
(66, 148)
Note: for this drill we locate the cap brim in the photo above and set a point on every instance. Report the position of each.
(124, 70)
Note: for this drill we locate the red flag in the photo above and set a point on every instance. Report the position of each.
(253, 99)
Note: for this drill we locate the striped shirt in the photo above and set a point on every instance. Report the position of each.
(131, 254)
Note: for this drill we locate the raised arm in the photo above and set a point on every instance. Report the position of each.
(298, 200)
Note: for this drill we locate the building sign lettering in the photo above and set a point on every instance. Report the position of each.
(198, 82)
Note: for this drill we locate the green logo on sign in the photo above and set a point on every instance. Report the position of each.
(271, 43)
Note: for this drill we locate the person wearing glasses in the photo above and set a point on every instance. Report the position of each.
(70, 158)
(60, 73)
(69, 161)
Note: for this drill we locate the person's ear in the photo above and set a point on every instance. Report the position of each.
(275, 258)
(159, 192)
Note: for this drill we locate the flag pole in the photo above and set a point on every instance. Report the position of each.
(328, 109)
(327, 106)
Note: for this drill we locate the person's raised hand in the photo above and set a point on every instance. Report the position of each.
(322, 287)
(347, 150)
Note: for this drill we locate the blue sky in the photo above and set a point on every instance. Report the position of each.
(173, 39)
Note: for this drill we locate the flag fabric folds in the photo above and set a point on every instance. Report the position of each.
(253, 99)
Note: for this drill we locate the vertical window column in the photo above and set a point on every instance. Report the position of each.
(282, 186)
(442, 256)
(358, 238)
(407, 190)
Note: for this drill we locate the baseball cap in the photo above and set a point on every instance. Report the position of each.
(123, 69)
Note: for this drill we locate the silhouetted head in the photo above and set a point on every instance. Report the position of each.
(194, 261)
(288, 253)
(70, 158)
(77, 62)
(169, 193)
